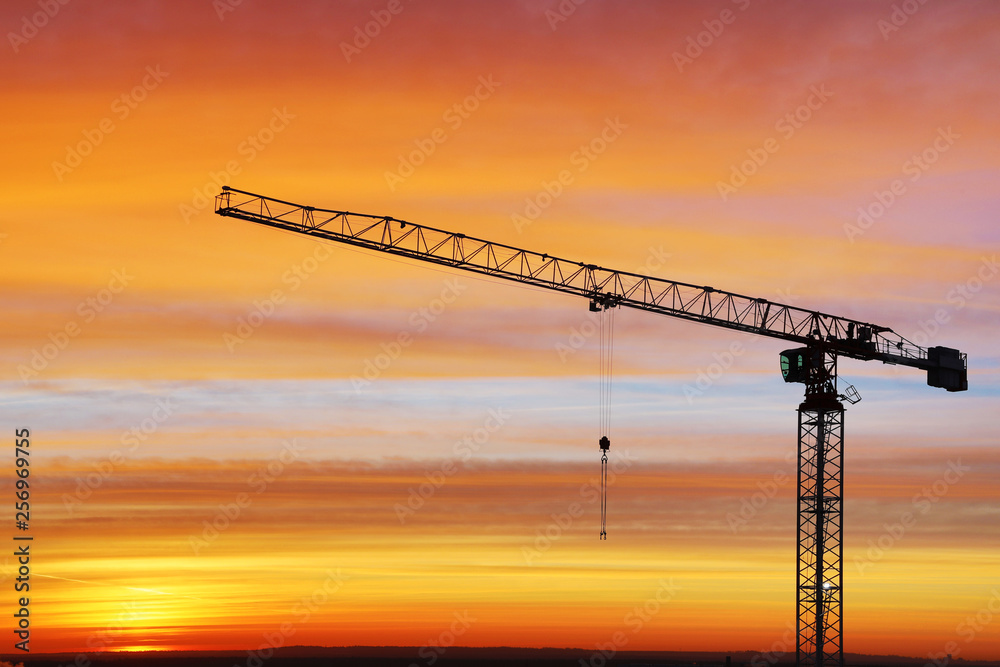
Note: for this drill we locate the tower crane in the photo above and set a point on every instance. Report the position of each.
(821, 339)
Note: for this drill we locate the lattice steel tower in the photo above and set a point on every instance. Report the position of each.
(820, 548)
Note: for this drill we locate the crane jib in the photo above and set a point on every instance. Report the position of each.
(841, 336)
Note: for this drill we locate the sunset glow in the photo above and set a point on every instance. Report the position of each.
(231, 446)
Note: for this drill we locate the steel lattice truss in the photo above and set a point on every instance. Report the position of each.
(820, 543)
(842, 336)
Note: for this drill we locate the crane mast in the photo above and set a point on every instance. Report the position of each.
(823, 339)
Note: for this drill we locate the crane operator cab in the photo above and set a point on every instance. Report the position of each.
(795, 364)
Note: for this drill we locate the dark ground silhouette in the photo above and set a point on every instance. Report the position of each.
(304, 656)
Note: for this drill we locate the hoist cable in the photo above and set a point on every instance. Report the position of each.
(607, 328)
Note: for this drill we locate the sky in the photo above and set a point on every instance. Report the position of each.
(231, 448)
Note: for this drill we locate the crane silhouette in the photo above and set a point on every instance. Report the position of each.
(822, 339)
